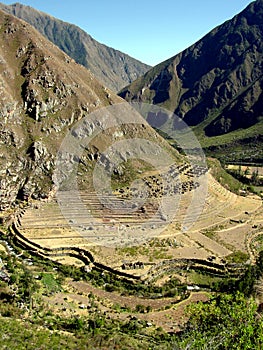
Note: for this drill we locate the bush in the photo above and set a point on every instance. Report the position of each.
(225, 322)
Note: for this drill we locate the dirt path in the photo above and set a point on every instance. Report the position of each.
(174, 318)
(124, 301)
(171, 318)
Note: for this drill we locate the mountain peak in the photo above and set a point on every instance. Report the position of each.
(113, 68)
(215, 85)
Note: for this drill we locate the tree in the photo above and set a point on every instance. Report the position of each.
(254, 177)
(225, 322)
(247, 171)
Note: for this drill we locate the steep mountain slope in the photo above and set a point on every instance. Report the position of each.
(43, 94)
(216, 85)
(112, 67)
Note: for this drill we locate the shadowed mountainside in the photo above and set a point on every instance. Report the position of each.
(215, 85)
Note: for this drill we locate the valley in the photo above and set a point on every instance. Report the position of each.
(130, 225)
(152, 282)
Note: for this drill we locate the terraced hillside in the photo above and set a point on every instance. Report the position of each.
(223, 227)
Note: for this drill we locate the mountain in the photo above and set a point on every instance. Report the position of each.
(215, 85)
(43, 95)
(113, 68)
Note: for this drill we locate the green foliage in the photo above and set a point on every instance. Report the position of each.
(222, 176)
(139, 308)
(81, 334)
(124, 286)
(237, 257)
(22, 335)
(21, 278)
(50, 282)
(244, 284)
(247, 282)
(226, 322)
(209, 233)
(241, 145)
(27, 285)
(155, 249)
(203, 279)
(242, 176)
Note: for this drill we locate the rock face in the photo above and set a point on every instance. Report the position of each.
(112, 67)
(216, 85)
(42, 93)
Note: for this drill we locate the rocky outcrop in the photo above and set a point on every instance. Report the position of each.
(42, 93)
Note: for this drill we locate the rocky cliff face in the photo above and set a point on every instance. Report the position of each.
(216, 85)
(112, 67)
(42, 93)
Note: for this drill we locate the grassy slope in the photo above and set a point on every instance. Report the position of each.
(224, 178)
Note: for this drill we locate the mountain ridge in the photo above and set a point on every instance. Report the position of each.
(216, 84)
(113, 68)
(42, 93)
(46, 96)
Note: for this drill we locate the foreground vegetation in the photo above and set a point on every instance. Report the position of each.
(229, 320)
(226, 322)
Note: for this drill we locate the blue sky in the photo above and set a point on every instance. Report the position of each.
(149, 30)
